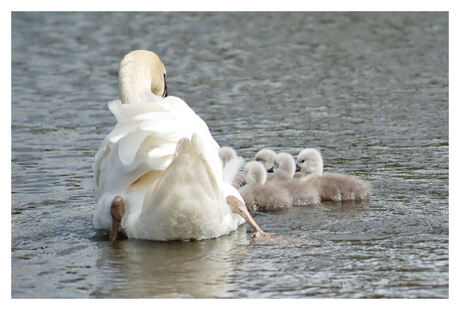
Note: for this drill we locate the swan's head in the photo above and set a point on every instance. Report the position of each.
(141, 71)
(266, 157)
(310, 162)
(226, 154)
(284, 166)
(255, 173)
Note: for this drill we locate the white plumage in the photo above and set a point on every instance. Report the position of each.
(164, 163)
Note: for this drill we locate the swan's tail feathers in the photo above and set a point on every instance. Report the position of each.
(187, 175)
(193, 146)
(232, 169)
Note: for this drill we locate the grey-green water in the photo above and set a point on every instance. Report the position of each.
(370, 90)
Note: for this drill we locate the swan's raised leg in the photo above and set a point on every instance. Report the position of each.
(239, 207)
(117, 209)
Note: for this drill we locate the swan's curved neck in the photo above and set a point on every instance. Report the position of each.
(133, 80)
(141, 71)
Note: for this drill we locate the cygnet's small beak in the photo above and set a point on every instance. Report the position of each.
(239, 207)
(270, 170)
(297, 168)
(117, 209)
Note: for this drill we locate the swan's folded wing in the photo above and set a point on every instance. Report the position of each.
(145, 138)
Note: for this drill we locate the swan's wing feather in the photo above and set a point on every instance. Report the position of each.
(120, 131)
(154, 116)
(129, 145)
(126, 112)
(164, 150)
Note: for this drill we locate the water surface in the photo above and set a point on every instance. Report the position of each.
(370, 90)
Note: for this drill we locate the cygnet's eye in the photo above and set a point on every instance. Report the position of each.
(301, 161)
(258, 159)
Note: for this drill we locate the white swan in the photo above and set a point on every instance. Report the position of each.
(158, 174)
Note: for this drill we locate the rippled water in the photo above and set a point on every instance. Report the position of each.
(370, 90)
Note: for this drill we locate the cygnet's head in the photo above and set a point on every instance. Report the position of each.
(226, 154)
(141, 70)
(284, 166)
(255, 173)
(310, 162)
(266, 157)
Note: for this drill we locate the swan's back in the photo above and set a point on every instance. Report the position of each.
(169, 194)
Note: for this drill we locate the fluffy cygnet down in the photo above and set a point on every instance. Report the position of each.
(266, 157)
(284, 169)
(226, 153)
(230, 163)
(331, 186)
(260, 196)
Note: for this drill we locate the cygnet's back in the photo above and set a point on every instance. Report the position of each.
(284, 170)
(231, 164)
(330, 186)
(260, 196)
(340, 187)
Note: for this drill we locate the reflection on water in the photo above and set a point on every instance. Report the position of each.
(144, 269)
(370, 90)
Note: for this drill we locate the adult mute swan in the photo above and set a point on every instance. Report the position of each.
(158, 174)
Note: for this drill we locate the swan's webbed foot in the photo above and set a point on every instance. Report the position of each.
(238, 207)
(117, 209)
